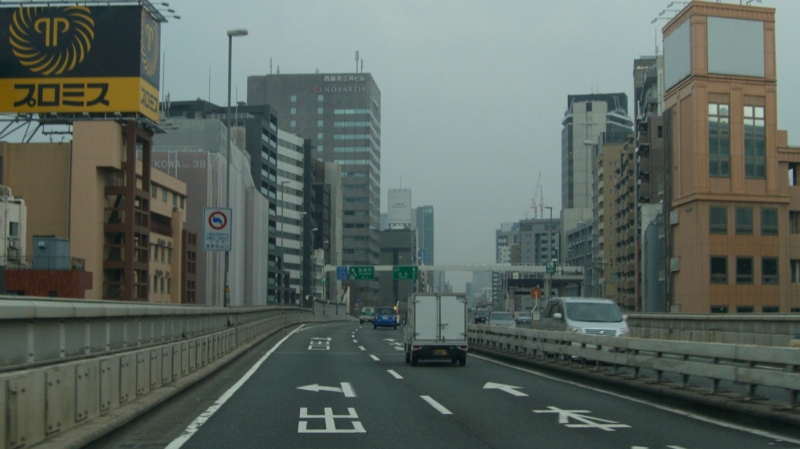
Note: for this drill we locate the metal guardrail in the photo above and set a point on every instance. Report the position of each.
(754, 366)
(84, 359)
(766, 329)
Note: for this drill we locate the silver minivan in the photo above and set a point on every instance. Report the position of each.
(594, 316)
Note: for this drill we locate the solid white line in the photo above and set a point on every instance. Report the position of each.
(200, 420)
(393, 373)
(439, 407)
(361, 348)
(375, 358)
(355, 341)
(660, 407)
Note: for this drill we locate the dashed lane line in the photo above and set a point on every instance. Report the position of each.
(375, 358)
(439, 407)
(394, 374)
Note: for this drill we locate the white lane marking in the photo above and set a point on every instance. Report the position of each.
(361, 348)
(355, 341)
(502, 387)
(564, 417)
(439, 407)
(192, 428)
(726, 425)
(321, 338)
(347, 389)
(393, 373)
(375, 358)
(330, 423)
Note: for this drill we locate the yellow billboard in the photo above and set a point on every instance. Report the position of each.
(79, 59)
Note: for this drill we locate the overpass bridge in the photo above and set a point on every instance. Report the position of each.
(116, 374)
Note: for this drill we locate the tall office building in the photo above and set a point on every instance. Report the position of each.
(341, 115)
(586, 118)
(422, 222)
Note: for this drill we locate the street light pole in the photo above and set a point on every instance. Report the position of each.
(283, 217)
(231, 34)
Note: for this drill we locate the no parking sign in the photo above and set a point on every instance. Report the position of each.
(217, 234)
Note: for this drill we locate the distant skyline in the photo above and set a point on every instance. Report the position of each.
(473, 92)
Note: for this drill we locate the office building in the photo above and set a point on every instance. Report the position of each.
(423, 222)
(341, 115)
(733, 224)
(399, 209)
(398, 247)
(586, 118)
(538, 240)
(507, 251)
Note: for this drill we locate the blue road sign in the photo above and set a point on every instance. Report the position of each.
(341, 273)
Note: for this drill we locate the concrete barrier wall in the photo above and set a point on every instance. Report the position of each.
(155, 347)
(749, 365)
(749, 329)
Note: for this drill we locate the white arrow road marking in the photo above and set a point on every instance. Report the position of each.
(439, 407)
(388, 339)
(347, 389)
(393, 373)
(375, 358)
(361, 348)
(587, 421)
(507, 388)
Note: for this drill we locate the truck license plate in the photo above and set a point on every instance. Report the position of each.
(442, 352)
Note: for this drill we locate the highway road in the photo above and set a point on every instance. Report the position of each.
(347, 385)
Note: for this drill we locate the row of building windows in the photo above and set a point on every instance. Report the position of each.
(351, 149)
(176, 198)
(745, 270)
(159, 281)
(718, 217)
(348, 136)
(293, 98)
(350, 111)
(350, 124)
(719, 141)
(749, 309)
(166, 253)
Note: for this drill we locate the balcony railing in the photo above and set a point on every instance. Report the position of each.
(46, 263)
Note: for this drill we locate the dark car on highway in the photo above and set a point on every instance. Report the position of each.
(481, 315)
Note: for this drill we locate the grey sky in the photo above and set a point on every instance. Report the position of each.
(473, 92)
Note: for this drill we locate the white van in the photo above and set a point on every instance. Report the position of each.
(595, 316)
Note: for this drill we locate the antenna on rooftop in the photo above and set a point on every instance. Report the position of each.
(356, 61)
(270, 66)
(362, 66)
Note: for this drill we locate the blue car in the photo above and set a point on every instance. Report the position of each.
(384, 317)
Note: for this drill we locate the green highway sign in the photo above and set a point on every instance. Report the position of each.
(550, 265)
(405, 272)
(361, 273)
(323, 281)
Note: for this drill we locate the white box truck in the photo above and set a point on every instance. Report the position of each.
(436, 327)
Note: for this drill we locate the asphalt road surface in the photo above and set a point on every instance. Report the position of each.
(347, 386)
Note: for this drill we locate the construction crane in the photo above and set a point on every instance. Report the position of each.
(538, 209)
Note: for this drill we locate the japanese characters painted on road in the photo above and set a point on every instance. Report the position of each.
(330, 421)
(217, 229)
(76, 59)
(346, 389)
(568, 418)
(319, 344)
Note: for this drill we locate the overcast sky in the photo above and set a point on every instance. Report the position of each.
(473, 92)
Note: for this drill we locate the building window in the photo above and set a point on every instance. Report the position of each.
(794, 266)
(745, 309)
(162, 285)
(153, 190)
(719, 141)
(169, 285)
(794, 222)
(319, 97)
(319, 110)
(769, 270)
(293, 111)
(155, 253)
(755, 157)
(174, 199)
(164, 195)
(719, 270)
(744, 220)
(182, 199)
(155, 284)
(163, 253)
(320, 136)
(744, 270)
(770, 309)
(319, 122)
(320, 148)
(294, 98)
(719, 309)
(293, 123)
(718, 216)
(169, 255)
(13, 229)
(769, 221)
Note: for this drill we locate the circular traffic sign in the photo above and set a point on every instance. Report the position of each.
(335, 293)
(217, 220)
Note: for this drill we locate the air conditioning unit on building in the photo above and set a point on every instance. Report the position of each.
(675, 264)
(673, 217)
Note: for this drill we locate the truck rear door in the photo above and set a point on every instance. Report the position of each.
(453, 317)
(426, 318)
